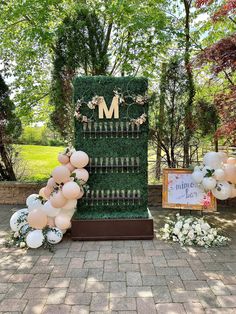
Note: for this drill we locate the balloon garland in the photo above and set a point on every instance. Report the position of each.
(217, 174)
(48, 214)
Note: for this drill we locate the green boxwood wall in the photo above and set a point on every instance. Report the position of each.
(86, 88)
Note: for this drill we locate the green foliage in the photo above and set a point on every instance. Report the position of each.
(86, 88)
(10, 129)
(39, 136)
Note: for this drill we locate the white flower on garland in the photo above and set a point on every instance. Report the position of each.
(192, 231)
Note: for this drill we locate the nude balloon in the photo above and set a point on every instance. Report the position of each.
(70, 167)
(230, 173)
(37, 219)
(81, 194)
(63, 159)
(49, 210)
(47, 192)
(58, 200)
(61, 174)
(79, 159)
(51, 183)
(51, 222)
(71, 190)
(219, 174)
(231, 161)
(62, 221)
(70, 204)
(41, 193)
(81, 174)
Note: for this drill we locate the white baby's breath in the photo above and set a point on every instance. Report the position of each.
(192, 231)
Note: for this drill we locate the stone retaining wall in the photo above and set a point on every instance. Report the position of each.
(13, 193)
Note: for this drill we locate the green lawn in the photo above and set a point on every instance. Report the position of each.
(37, 161)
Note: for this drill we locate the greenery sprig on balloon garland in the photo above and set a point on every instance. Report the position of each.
(123, 100)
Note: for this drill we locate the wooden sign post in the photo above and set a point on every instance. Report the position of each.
(181, 192)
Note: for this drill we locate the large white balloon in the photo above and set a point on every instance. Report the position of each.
(14, 221)
(197, 176)
(223, 156)
(54, 235)
(209, 183)
(223, 190)
(35, 204)
(35, 239)
(68, 212)
(213, 160)
(30, 199)
(219, 174)
(49, 210)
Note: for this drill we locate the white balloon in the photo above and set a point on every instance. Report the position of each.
(70, 204)
(198, 168)
(209, 183)
(197, 176)
(14, 224)
(35, 239)
(213, 160)
(54, 235)
(35, 204)
(223, 190)
(23, 230)
(30, 199)
(219, 174)
(49, 210)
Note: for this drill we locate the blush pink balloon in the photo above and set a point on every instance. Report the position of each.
(61, 174)
(51, 183)
(47, 192)
(37, 219)
(79, 159)
(62, 221)
(57, 199)
(231, 161)
(71, 190)
(70, 204)
(63, 159)
(230, 173)
(41, 193)
(81, 194)
(81, 174)
(51, 222)
(70, 167)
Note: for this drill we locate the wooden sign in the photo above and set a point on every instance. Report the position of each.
(180, 191)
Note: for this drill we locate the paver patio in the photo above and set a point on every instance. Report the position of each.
(119, 276)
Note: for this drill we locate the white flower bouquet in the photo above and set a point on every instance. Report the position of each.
(189, 231)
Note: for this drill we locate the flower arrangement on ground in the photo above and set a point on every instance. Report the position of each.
(192, 231)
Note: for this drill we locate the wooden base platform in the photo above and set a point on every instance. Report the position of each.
(112, 229)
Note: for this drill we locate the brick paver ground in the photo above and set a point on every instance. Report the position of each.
(119, 276)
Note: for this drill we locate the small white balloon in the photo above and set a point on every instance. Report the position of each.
(34, 239)
(219, 174)
(209, 183)
(213, 160)
(223, 190)
(35, 204)
(49, 210)
(18, 220)
(197, 176)
(31, 199)
(54, 235)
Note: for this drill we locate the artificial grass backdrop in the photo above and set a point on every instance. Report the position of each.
(86, 88)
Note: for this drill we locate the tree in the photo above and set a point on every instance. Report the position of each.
(222, 57)
(168, 124)
(10, 129)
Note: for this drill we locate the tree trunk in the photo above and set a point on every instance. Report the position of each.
(161, 119)
(190, 85)
(6, 171)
